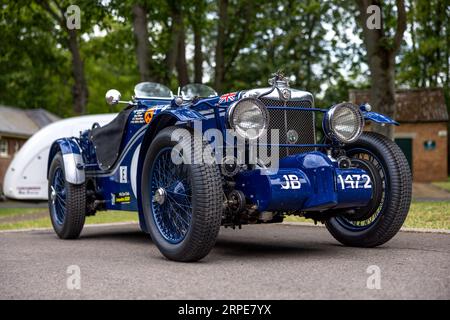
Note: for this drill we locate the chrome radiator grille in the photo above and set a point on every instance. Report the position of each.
(303, 122)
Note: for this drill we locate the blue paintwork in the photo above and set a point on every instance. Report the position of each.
(348, 197)
(263, 188)
(318, 173)
(319, 188)
(378, 118)
(66, 146)
(183, 114)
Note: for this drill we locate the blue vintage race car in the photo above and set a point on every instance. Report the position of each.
(193, 162)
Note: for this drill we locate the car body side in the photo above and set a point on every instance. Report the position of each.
(120, 186)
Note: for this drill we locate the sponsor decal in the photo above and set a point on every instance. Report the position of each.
(138, 117)
(123, 174)
(121, 197)
(229, 97)
(149, 115)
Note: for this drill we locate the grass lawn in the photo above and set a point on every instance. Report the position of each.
(430, 215)
(43, 221)
(433, 215)
(19, 212)
(443, 185)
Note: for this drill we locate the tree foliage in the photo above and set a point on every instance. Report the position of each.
(426, 62)
(229, 44)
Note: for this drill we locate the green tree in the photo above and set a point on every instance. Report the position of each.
(426, 62)
(291, 36)
(33, 70)
(69, 37)
(382, 43)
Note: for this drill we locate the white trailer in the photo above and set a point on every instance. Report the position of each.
(26, 177)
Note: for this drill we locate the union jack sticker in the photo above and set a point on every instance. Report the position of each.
(227, 97)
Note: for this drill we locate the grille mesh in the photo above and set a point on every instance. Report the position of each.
(303, 122)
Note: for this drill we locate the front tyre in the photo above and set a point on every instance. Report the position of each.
(181, 196)
(391, 176)
(66, 201)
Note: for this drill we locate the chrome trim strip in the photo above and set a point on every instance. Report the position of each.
(295, 94)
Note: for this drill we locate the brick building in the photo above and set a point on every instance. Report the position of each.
(422, 134)
(16, 126)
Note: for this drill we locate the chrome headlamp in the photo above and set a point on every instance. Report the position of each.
(344, 122)
(248, 117)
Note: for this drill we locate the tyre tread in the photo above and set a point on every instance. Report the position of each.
(399, 197)
(75, 205)
(207, 206)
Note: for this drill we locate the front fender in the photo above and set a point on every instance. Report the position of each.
(72, 157)
(165, 118)
(378, 118)
(182, 114)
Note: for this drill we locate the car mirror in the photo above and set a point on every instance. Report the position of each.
(112, 97)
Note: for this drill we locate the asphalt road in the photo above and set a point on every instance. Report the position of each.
(258, 262)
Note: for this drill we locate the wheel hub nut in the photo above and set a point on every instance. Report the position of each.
(160, 196)
(53, 194)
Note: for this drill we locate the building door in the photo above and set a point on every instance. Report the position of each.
(406, 145)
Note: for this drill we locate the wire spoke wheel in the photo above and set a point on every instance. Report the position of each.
(181, 200)
(385, 213)
(380, 186)
(171, 197)
(66, 201)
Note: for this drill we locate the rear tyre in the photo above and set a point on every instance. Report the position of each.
(66, 201)
(181, 200)
(391, 181)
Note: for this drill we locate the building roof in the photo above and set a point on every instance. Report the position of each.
(413, 105)
(23, 122)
